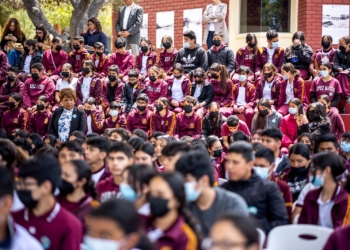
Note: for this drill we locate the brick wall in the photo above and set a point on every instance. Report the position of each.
(151, 7)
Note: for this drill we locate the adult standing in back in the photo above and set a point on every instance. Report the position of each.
(128, 24)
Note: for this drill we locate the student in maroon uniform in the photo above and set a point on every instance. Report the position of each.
(78, 56)
(68, 151)
(159, 144)
(326, 206)
(16, 117)
(247, 56)
(139, 118)
(179, 86)
(88, 85)
(172, 153)
(163, 120)
(216, 153)
(222, 88)
(339, 239)
(116, 119)
(39, 120)
(244, 95)
(292, 87)
(345, 152)
(232, 125)
(94, 117)
(270, 53)
(119, 157)
(131, 89)
(77, 190)
(112, 87)
(68, 80)
(289, 126)
(54, 58)
(119, 134)
(36, 86)
(168, 55)
(28, 58)
(321, 56)
(146, 58)
(143, 152)
(100, 59)
(188, 122)
(122, 57)
(43, 217)
(95, 152)
(168, 208)
(3, 66)
(156, 86)
(213, 121)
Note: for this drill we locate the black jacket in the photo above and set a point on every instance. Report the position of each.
(128, 96)
(322, 128)
(224, 56)
(78, 121)
(36, 58)
(206, 95)
(300, 57)
(284, 164)
(207, 130)
(192, 59)
(264, 199)
(341, 60)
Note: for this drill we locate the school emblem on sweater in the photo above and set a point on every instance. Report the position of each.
(45, 241)
(330, 93)
(295, 90)
(276, 56)
(191, 125)
(93, 84)
(15, 120)
(46, 121)
(144, 121)
(150, 62)
(167, 123)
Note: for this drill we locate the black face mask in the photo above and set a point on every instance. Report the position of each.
(66, 188)
(178, 76)
(112, 78)
(26, 49)
(99, 53)
(10, 78)
(25, 197)
(86, 71)
(87, 112)
(40, 107)
(326, 45)
(159, 107)
(300, 170)
(166, 45)
(76, 47)
(159, 206)
(141, 108)
(268, 75)
(214, 76)
(65, 74)
(252, 45)
(263, 112)
(188, 108)
(144, 49)
(11, 105)
(342, 48)
(35, 76)
(152, 78)
(214, 114)
(198, 81)
(217, 153)
(217, 42)
(297, 46)
(312, 115)
(58, 47)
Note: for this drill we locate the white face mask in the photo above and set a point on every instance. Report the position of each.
(91, 243)
(113, 112)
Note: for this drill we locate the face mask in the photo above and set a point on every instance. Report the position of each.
(252, 45)
(58, 47)
(214, 114)
(159, 107)
(76, 47)
(188, 108)
(317, 180)
(128, 193)
(217, 153)
(342, 48)
(25, 197)
(263, 112)
(40, 107)
(326, 45)
(91, 243)
(88, 112)
(141, 108)
(268, 75)
(198, 81)
(292, 111)
(324, 73)
(86, 71)
(66, 188)
(178, 76)
(299, 170)
(345, 147)
(214, 76)
(11, 105)
(263, 173)
(191, 194)
(99, 53)
(217, 42)
(297, 46)
(144, 49)
(113, 112)
(159, 206)
(166, 45)
(274, 45)
(285, 77)
(152, 78)
(35, 76)
(112, 78)
(26, 49)
(242, 78)
(187, 45)
(65, 74)
(10, 78)
(312, 115)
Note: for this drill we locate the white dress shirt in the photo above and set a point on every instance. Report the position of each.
(176, 91)
(126, 16)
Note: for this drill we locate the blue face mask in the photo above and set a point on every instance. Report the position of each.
(324, 73)
(274, 45)
(187, 45)
(113, 112)
(292, 111)
(345, 146)
(242, 78)
(127, 192)
(285, 77)
(191, 194)
(317, 181)
(262, 172)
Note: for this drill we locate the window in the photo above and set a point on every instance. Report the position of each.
(263, 15)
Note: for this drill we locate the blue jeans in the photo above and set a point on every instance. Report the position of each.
(210, 39)
(13, 56)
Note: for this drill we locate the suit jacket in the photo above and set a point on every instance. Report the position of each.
(78, 123)
(134, 23)
(209, 16)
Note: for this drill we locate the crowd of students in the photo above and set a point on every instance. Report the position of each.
(117, 152)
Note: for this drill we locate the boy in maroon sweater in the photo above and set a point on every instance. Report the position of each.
(232, 124)
(77, 57)
(119, 157)
(39, 120)
(100, 59)
(122, 58)
(140, 118)
(112, 87)
(43, 217)
(117, 118)
(94, 117)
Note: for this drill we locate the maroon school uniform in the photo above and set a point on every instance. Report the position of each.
(242, 126)
(250, 92)
(53, 61)
(6, 90)
(245, 57)
(13, 119)
(136, 120)
(262, 58)
(166, 60)
(111, 93)
(76, 59)
(185, 86)
(124, 62)
(107, 189)
(224, 99)
(3, 66)
(319, 56)
(275, 89)
(39, 122)
(339, 239)
(33, 89)
(285, 192)
(102, 65)
(151, 61)
(188, 125)
(155, 90)
(97, 120)
(95, 89)
(56, 230)
(338, 128)
(164, 124)
(119, 123)
(219, 163)
(97, 177)
(330, 88)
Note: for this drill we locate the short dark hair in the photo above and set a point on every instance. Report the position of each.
(24, 144)
(37, 66)
(232, 121)
(6, 182)
(265, 153)
(133, 72)
(98, 45)
(300, 149)
(346, 135)
(114, 68)
(243, 69)
(140, 175)
(80, 39)
(125, 135)
(90, 100)
(30, 42)
(98, 142)
(140, 133)
(196, 164)
(328, 138)
(142, 97)
(257, 145)
(147, 148)
(120, 43)
(122, 147)
(13, 69)
(56, 39)
(239, 136)
(136, 142)
(78, 134)
(271, 34)
(274, 133)
(190, 34)
(243, 148)
(72, 146)
(329, 159)
(156, 134)
(172, 148)
(115, 105)
(7, 152)
(43, 98)
(190, 99)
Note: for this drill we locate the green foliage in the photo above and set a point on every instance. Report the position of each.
(26, 24)
(105, 17)
(58, 14)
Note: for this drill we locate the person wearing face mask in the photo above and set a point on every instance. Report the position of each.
(94, 117)
(16, 117)
(315, 121)
(220, 53)
(270, 53)
(146, 58)
(116, 119)
(112, 87)
(244, 95)
(156, 86)
(46, 220)
(39, 120)
(168, 55)
(79, 54)
(188, 122)
(88, 85)
(246, 56)
(67, 80)
(163, 120)
(217, 155)
(100, 59)
(341, 68)
(139, 118)
(289, 126)
(266, 117)
(338, 127)
(54, 59)
(345, 149)
(131, 89)
(322, 56)
(93, 34)
(327, 205)
(292, 86)
(28, 58)
(213, 121)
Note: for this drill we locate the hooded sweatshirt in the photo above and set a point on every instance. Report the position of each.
(192, 59)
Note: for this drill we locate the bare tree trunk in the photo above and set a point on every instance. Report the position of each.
(80, 8)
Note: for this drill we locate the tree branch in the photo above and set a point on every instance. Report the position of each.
(77, 16)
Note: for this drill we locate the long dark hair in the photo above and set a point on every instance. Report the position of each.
(289, 67)
(17, 33)
(300, 149)
(139, 175)
(45, 33)
(223, 74)
(297, 35)
(249, 37)
(215, 124)
(97, 23)
(261, 120)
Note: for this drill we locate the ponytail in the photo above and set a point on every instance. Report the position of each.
(289, 67)
(223, 77)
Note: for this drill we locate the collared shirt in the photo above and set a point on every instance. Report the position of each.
(197, 92)
(267, 90)
(85, 88)
(97, 176)
(324, 211)
(289, 92)
(144, 65)
(26, 67)
(96, 62)
(64, 125)
(270, 53)
(126, 16)
(88, 121)
(241, 96)
(176, 91)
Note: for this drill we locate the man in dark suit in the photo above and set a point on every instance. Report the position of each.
(128, 24)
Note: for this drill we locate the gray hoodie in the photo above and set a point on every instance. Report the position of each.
(273, 121)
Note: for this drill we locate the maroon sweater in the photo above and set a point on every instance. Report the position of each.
(59, 58)
(316, 59)
(39, 122)
(338, 127)
(262, 57)
(188, 125)
(6, 90)
(13, 119)
(155, 90)
(298, 89)
(164, 124)
(151, 61)
(185, 86)
(33, 89)
(275, 89)
(166, 61)
(119, 123)
(76, 59)
(125, 62)
(102, 66)
(106, 88)
(107, 189)
(95, 89)
(136, 120)
(3, 66)
(224, 99)
(250, 92)
(339, 239)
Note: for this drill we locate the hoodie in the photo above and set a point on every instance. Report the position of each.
(273, 121)
(192, 59)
